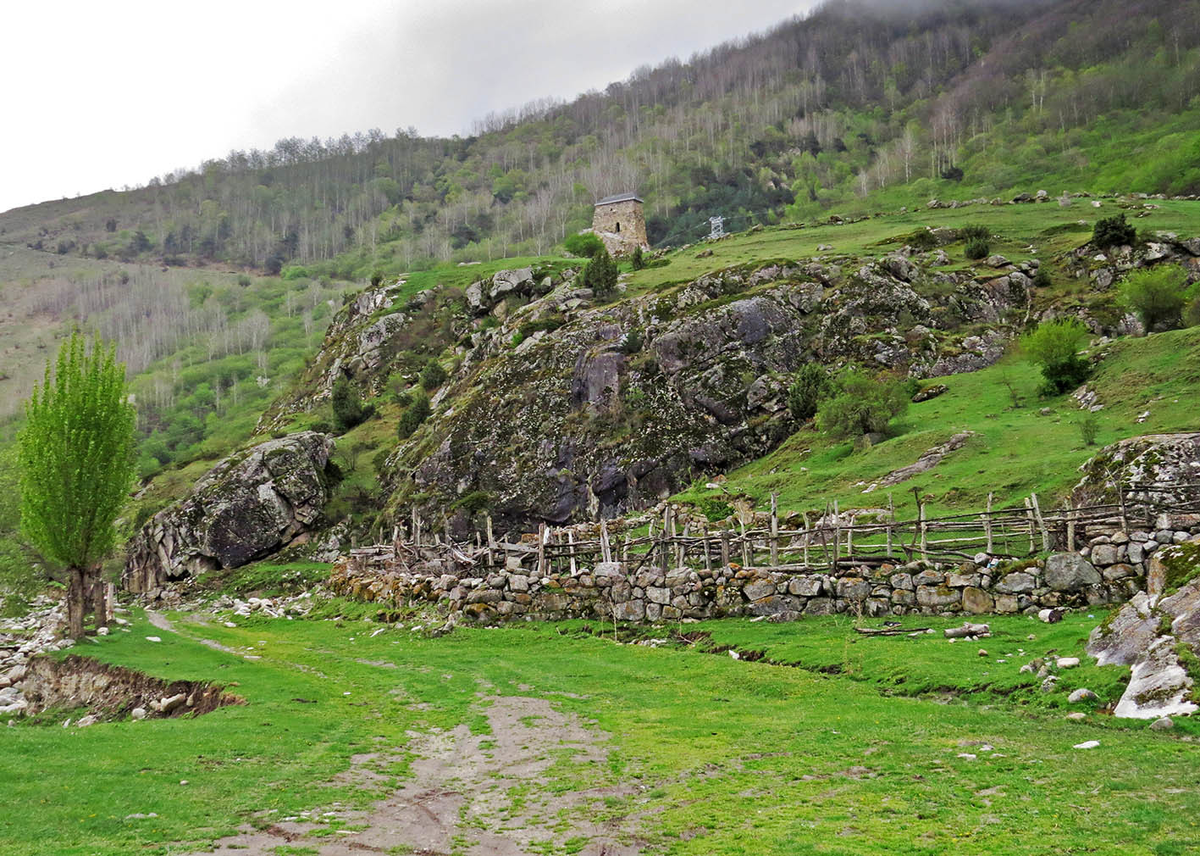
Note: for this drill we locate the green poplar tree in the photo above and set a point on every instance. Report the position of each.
(76, 458)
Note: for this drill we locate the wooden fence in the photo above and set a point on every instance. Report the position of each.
(827, 541)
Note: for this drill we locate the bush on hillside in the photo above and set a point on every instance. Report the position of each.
(1156, 295)
(432, 376)
(974, 232)
(863, 405)
(413, 416)
(809, 385)
(638, 260)
(977, 248)
(600, 274)
(1113, 232)
(585, 246)
(348, 407)
(1054, 346)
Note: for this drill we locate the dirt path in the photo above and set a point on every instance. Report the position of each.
(482, 795)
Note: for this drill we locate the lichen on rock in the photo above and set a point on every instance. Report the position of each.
(248, 506)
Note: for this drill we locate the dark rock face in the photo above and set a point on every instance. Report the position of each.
(246, 507)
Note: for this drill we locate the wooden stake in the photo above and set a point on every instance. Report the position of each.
(491, 542)
(837, 536)
(1037, 512)
(571, 543)
(807, 538)
(987, 524)
(541, 550)
(1070, 526)
(1029, 518)
(774, 530)
(747, 554)
(725, 548)
(605, 549)
(891, 522)
(924, 529)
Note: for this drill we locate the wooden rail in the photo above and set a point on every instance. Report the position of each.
(834, 539)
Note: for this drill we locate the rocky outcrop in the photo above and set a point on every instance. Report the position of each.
(604, 409)
(1151, 468)
(246, 507)
(1158, 636)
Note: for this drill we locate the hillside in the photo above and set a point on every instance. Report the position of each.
(854, 107)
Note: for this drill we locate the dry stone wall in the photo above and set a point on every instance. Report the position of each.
(1110, 569)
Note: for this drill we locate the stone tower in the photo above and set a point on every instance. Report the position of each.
(619, 222)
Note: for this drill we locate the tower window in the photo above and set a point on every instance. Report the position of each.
(618, 225)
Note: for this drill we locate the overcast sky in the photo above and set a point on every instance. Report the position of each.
(105, 94)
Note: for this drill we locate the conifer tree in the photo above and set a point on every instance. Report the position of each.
(76, 458)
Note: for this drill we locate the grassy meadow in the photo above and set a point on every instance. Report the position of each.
(856, 746)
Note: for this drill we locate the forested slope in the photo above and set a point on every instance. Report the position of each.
(852, 106)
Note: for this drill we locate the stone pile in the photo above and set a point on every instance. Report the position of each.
(37, 632)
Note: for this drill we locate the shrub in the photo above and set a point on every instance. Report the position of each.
(1113, 232)
(587, 245)
(432, 376)
(1054, 346)
(809, 386)
(977, 248)
(413, 416)
(243, 280)
(1041, 279)
(376, 279)
(1089, 427)
(638, 259)
(348, 407)
(1156, 295)
(863, 405)
(974, 232)
(600, 274)
(1191, 315)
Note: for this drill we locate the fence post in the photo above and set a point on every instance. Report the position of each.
(725, 548)
(416, 521)
(924, 529)
(774, 530)
(541, 550)
(987, 524)
(1029, 520)
(891, 522)
(837, 537)
(1037, 512)
(850, 536)
(747, 552)
(491, 541)
(1070, 526)
(605, 548)
(807, 538)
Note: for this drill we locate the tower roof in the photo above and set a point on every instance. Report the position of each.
(619, 197)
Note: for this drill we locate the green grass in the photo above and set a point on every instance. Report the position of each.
(1160, 373)
(1049, 228)
(730, 757)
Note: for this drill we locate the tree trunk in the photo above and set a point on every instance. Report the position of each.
(99, 590)
(75, 595)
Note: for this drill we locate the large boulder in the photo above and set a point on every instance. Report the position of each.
(1158, 464)
(1157, 638)
(246, 507)
(1070, 572)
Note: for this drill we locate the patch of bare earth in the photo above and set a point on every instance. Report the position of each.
(476, 794)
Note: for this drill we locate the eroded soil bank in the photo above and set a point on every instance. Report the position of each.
(110, 691)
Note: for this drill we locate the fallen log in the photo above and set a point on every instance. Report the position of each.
(968, 629)
(889, 631)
